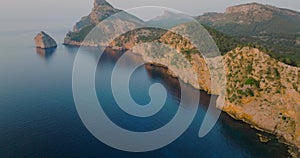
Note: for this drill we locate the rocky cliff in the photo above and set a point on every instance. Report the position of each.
(43, 40)
(263, 92)
(259, 90)
(101, 11)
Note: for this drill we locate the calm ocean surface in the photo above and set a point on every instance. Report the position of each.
(38, 117)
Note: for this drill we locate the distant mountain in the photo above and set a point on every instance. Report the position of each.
(254, 19)
(277, 29)
(169, 19)
(101, 11)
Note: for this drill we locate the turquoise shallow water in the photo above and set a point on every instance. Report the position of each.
(38, 117)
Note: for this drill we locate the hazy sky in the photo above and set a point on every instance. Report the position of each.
(43, 14)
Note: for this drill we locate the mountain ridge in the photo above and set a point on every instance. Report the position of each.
(247, 14)
(274, 28)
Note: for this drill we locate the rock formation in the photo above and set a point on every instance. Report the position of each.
(43, 40)
(101, 10)
(260, 90)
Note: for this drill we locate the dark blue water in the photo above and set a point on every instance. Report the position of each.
(38, 117)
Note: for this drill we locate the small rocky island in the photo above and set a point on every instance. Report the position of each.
(44, 41)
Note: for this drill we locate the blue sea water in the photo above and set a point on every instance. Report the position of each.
(38, 117)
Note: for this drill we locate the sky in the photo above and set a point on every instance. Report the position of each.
(55, 14)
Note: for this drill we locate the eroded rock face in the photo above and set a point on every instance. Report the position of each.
(43, 40)
(101, 11)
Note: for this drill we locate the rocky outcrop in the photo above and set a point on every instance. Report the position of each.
(43, 40)
(101, 11)
(263, 92)
(256, 11)
(259, 89)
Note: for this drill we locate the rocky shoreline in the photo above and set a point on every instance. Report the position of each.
(293, 149)
(241, 114)
(259, 90)
(237, 111)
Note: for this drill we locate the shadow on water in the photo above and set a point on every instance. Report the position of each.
(46, 53)
(229, 138)
(237, 133)
(71, 49)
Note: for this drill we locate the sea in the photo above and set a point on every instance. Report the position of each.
(38, 116)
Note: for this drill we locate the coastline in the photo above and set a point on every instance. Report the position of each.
(230, 110)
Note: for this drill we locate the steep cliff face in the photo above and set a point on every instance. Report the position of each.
(254, 12)
(259, 89)
(101, 11)
(263, 92)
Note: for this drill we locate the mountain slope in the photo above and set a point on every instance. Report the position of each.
(275, 28)
(101, 11)
(260, 90)
(254, 19)
(224, 42)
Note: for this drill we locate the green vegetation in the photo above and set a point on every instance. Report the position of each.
(224, 42)
(277, 74)
(284, 118)
(188, 53)
(278, 34)
(251, 81)
(267, 43)
(79, 36)
(283, 46)
(249, 69)
(249, 92)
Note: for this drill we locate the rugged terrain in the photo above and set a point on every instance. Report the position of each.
(263, 92)
(260, 90)
(101, 10)
(44, 41)
(274, 28)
